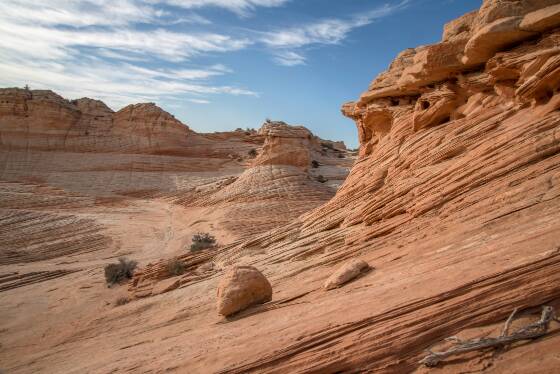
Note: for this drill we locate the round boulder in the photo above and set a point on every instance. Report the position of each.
(240, 288)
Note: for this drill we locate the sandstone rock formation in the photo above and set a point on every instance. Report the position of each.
(285, 145)
(81, 185)
(455, 198)
(42, 120)
(240, 288)
(347, 272)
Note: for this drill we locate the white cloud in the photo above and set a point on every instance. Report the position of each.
(240, 7)
(199, 101)
(95, 48)
(327, 31)
(289, 58)
(78, 13)
(116, 84)
(55, 43)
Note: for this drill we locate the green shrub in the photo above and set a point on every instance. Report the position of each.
(202, 240)
(175, 267)
(116, 273)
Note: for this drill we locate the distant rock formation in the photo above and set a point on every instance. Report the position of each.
(43, 120)
(286, 145)
(278, 185)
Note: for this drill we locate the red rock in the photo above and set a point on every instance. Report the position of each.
(240, 288)
(347, 272)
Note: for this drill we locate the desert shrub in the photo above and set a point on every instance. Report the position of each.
(314, 164)
(202, 240)
(122, 300)
(116, 273)
(175, 267)
(341, 155)
(321, 179)
(252, 153)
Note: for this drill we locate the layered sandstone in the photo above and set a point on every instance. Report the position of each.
(81, 185)
(454, 202)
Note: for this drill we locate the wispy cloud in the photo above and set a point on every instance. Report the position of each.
(284, 42)
(56, 43)
(95, 48)
(240, 7)
(124, 51)
(289, 58)
(117, 84)
(199, 101)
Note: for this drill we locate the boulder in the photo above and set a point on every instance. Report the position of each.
(344, 274)
(240, 288)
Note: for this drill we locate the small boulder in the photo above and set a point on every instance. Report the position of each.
(346, 273)
(240, 288)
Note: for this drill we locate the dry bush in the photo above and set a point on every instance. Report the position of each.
(315, 164)
(116, 273)
(321, 179)
(175, 267)
(202, 240)
(252, 153)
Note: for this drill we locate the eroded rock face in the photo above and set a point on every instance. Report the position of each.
(440, 79)
(240, 288)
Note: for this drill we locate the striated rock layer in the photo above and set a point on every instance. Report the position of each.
(454, 202)
(81, 185)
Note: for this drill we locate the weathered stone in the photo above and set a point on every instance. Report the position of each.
(347, 272)
(240, 288)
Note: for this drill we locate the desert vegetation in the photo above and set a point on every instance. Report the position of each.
(175, 267)
(201, 241)
(120, 271)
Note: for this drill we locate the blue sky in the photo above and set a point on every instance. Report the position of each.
(217, 64)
